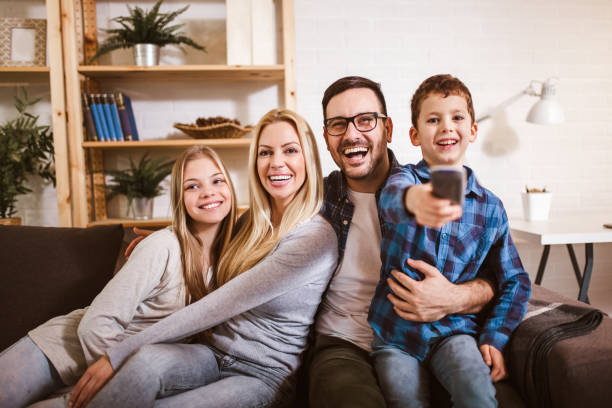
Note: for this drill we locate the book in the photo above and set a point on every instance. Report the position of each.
(108, 116)
(98, 115)
(91, 132)
(115, 117)
(124, 118)
(128, 106)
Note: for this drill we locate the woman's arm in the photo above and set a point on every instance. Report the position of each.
(113, 309)
(304, 255)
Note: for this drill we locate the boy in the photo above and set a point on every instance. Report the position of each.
(462, 243)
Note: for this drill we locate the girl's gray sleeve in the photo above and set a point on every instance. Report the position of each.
(302, 256)
(113, 309)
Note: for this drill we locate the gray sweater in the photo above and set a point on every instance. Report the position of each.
(263, 315)
(148, 288)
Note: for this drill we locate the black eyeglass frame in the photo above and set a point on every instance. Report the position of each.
(352, 120)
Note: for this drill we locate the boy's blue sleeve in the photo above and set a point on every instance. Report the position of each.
(391, 202)
(513, 288)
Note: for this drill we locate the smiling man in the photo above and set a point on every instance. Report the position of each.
(357, 130)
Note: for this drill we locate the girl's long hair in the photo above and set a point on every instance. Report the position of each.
(257, 236)
(183, 226)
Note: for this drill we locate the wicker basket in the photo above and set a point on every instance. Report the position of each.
(220, 131)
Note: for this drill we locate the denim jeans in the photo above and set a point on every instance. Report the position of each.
(188, 375)
(26, 375)
(455, 361)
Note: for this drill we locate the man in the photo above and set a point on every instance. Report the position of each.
(357, 130)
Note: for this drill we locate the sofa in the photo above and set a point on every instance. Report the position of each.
(47, 271)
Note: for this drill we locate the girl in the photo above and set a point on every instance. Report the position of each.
(163, 275)
(269, 285)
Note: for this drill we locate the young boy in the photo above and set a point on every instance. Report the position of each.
(462, 351)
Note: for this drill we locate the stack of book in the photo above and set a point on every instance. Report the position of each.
(109, 117)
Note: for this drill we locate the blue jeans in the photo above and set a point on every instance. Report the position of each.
(26, 375)
(188, 375)
(455, 361)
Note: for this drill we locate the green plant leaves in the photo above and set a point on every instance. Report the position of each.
(145, 27)
(141, 179)
(26, 148)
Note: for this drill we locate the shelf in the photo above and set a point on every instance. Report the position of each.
(152, 223)
(185, 72)
(220, 143)
(23, 75)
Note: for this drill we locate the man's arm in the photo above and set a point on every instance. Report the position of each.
(435, 296)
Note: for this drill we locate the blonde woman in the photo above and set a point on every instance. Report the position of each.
(268, 287)
(165, 273)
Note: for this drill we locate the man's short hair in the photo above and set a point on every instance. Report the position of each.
(443, 84)
(351, 82)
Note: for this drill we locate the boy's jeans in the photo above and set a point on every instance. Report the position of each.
(188, 375)
(455, 361)
(26, 375)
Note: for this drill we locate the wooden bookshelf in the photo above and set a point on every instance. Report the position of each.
(179, 143)
(184, 73)
(18, 76)
(152, 223)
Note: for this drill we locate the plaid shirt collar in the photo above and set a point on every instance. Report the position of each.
(472, 187)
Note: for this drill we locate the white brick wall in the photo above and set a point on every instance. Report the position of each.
(495, 47)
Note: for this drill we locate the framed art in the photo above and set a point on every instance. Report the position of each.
(23, 42)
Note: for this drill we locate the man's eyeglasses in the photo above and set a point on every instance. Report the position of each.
(363, 122)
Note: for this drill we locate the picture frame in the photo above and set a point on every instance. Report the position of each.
(23, 42)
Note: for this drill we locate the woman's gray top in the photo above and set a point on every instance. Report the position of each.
(264, 314)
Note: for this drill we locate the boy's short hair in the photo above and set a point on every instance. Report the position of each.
(443, 84)
(351, 82)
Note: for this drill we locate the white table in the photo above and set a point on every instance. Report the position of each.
(585, 229)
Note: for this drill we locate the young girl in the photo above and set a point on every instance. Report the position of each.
(166, 272)
(268, 287)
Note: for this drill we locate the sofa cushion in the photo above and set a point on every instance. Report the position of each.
(48, 271)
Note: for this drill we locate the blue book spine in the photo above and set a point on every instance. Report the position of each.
(108, 117)
(128, 107)
(94, 113)
(99, 116)
(115, 115)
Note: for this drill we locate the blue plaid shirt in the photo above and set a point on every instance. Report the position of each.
(477, 245)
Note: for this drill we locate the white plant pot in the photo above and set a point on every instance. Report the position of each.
(142, 208)
(146, 55)
(536, 206)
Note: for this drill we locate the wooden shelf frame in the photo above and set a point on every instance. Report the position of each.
(180, 143)
(283, 73)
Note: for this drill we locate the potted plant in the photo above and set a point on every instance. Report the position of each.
(536, 203)
(146, 31)
(140, 183)
(26, 148)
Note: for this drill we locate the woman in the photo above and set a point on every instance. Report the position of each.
(165, 273)
(269, 285)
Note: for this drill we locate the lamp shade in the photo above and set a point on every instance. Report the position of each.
(546, 111)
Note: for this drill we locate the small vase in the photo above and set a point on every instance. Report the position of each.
(536, 206)
(10, 221)
(146, 55)
(142, 208)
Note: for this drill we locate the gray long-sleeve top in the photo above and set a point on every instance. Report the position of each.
(148, 288)
(262, 315)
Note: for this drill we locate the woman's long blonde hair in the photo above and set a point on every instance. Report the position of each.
(257, 236)
(183, 226)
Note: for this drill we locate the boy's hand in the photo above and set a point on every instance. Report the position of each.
(141, 234)
(494, 359)
(429, 210)
(91, 382)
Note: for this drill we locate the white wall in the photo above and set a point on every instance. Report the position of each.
(496, 48)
